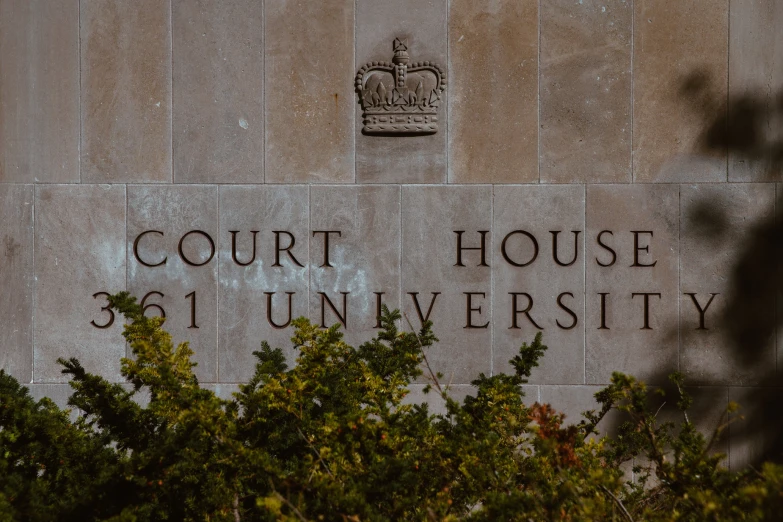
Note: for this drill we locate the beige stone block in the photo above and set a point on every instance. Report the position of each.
(363, 224)
(16, 280)
(126, 91)
(632, 248)
(528, 221)
(39, 91)
(57, 393)
(586, 91)
(79, 252)
(728, 249)
(172, 238)
(249, 284)
(218, 86)
(493, 54)
(457, 299)
(756, 428)
(755, 86)
(573, 401)
(412, 159)
(679, 47)
(309, 70)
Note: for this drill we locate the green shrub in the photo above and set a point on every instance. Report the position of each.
(333, 439)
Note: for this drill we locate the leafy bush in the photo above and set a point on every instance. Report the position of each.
(333, 439)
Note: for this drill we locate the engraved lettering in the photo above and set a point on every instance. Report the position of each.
(646, 307)
(106, 308)
(460, 248)
(470, 310)
(145, 306)
(702, 311)
(136, 249)
(378, 309)
(515, 311)
(192, 297)
(607, 247)
(415, 296)
(269, 314)
(340, 317)
(326, 244)
(234, 247)
(603, 310)
(505, 254)
(637, 248)
(554, 247)
(287, 249)
(211, 248)
(570, 312)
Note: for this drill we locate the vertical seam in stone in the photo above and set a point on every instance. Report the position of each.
(538, 94)
(171, 91)
(352, 99)
(584, 284)
(35, 288)
(633, 98)
(79, 50)
(492, 284)
(679, 275)
(264, 94)
(728, 74)
(217, 291)
(309, 241)
(448, 98)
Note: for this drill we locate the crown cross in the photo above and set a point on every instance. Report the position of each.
(398, 97)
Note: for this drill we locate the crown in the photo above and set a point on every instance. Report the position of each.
(398, 98)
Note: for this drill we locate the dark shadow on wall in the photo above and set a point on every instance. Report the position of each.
(750, 132)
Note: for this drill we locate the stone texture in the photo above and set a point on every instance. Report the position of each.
(414, 159)
(79, 251)
(539, 210)
(572, 401)
(756, 429)
(57, 393)
(728, 248)
(624, 346)
(430, 215)
(777, 238)
(126, 91)
(586, 91)
(309, 72)
(16, 280)
(243, 309)
(680, 76)
(366, 255)
(39, 91)
(218, 91)
(755, 86)
(176, 211)
(493, 114)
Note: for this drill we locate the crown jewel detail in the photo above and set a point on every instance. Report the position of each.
(398, 97)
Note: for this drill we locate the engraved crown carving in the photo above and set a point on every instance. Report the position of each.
(400, 98)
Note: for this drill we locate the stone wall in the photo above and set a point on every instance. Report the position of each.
(609, 169)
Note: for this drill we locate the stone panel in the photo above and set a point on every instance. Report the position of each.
(642, 222)
(493, 126)
(430, 217)
(728, 249)
(756, 428)
(586, 91)
(777, 238)
(309, 73)
(218, 91)
(365, 256)
(57, 393)
(755, 85)
(680, 77)
(39, 91)
(79, 251)
(126, 91)
(186, 221)
(16, 280)
(414, 159)
(539, 210)
(572, 401)
(243, 303)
